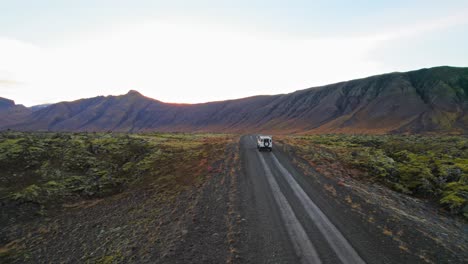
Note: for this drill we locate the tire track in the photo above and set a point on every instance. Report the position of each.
(302, 245)
(335, 239)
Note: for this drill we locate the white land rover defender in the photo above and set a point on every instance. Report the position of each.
(264, 142)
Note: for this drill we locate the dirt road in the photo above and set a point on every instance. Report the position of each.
(289, 220)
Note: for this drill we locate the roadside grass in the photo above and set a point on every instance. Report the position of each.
(51, 169)
(428, 167)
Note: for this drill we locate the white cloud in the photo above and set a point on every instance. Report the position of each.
(179, 63)
(185, 62)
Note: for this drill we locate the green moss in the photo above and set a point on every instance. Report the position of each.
(50, 168)
(28, 194)
(430, 167)
(454, 196)
(462, 164)
(454, 201)
(109, 259)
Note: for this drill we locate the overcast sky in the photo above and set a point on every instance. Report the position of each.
(201, 50)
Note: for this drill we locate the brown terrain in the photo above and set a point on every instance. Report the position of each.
(230, 215)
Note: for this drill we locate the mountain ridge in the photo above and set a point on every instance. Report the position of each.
(11, 113)
(421, 101)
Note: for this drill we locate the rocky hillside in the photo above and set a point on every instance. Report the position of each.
(426, 100)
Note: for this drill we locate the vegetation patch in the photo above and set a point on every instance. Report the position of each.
(48, 169)
(427, 167)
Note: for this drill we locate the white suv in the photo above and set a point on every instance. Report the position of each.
(264, 142)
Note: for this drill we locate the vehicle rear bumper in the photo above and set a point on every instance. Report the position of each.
(264, 148)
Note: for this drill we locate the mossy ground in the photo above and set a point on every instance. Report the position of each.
(83, 189)
(428, 167)
(51, 167)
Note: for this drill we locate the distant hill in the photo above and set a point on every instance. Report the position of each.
(426, 100)
(11, 113)
(38, 107)
(6, 103)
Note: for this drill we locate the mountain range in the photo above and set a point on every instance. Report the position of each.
(433, 100)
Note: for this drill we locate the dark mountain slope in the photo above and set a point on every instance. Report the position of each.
(11, 113)
(6, 103)
(427, 100)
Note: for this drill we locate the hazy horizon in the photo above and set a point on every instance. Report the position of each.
(182, 52)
